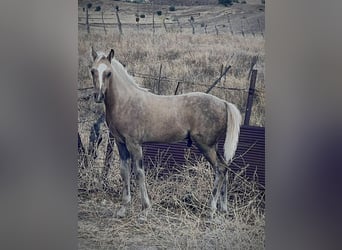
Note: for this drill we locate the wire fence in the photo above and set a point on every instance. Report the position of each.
(240, 24)
(174, 80)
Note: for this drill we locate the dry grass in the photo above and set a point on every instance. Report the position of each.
(178, 218)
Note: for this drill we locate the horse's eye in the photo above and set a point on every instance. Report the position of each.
(109, 74)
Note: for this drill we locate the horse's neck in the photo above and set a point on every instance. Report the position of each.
(119, 92)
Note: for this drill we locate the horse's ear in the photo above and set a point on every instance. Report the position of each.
(110, 55)
(93, 53)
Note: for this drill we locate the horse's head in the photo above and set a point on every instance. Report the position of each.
(101, 72)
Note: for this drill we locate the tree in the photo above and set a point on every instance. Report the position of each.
(226, 2)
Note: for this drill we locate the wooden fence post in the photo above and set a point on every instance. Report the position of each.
(177, 88)
(153, 29)
(262, 33)
(160, 70)
(164, 18)
(179, 25)
(118, 18)
(104, 25)
(87, 20)
(250, 96)
(191, 20)
(230, 24)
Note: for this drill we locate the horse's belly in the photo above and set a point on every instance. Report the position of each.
(167, 135)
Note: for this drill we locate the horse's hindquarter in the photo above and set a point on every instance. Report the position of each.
(207, 114)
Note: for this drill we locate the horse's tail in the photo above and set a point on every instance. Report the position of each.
(232, 133)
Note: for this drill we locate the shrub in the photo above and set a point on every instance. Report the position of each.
(159, 12)
(142, 16)
(98, 8)
(172, 8)
(89, 5)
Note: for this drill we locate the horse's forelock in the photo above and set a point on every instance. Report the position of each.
(100, 56)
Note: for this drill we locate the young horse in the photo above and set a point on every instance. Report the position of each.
(135, 116)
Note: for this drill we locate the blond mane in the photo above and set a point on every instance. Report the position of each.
(121, 70)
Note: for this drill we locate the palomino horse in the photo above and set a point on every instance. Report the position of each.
(134, 116)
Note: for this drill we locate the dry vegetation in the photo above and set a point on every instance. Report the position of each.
(178, 217)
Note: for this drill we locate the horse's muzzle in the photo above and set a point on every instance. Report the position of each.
(99, 97)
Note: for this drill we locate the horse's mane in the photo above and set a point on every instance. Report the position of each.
(120, 69)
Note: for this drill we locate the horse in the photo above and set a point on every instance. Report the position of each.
(134, 116)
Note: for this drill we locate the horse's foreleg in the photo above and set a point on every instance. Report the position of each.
(126, 178)
(108, 159)
(137, 157)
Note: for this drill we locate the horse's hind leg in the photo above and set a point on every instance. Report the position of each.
(126, 175)
(223, 201)
(211, 155)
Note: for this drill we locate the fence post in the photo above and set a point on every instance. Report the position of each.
(216, 29)
(192, 20)
(218, 80)
(179, 25)
(250, 96)
(153, 29)
(87, 20)
(160, 70)
(230, 25)
(118, 18)
(177, 88)
(262, 33)
(254, 61)
(104, 25)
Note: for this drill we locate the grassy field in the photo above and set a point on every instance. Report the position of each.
(178, 218)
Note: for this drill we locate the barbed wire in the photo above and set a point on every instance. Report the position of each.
(169, 79)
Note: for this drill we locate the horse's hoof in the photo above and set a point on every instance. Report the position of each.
(121, 213)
